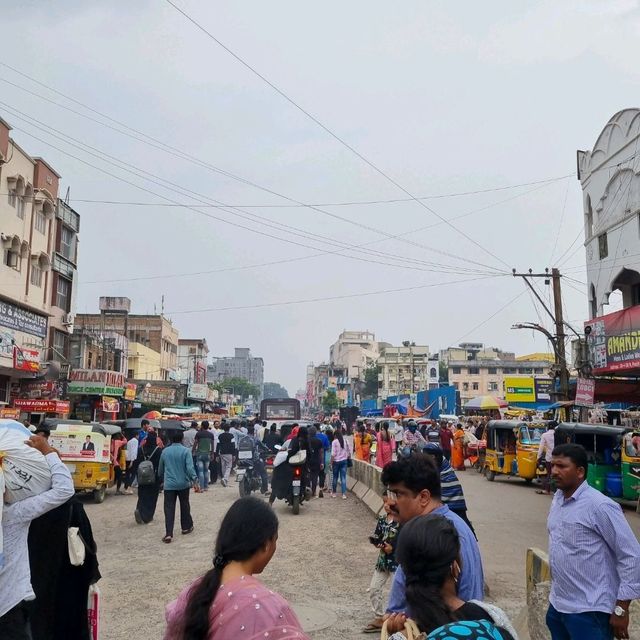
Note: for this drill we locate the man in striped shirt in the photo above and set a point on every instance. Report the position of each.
(450, 488)
(593, 555)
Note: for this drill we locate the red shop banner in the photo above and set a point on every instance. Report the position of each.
(585, 392)
(29, 405)
(614, 341)
(26, 359)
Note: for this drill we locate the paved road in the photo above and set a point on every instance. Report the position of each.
(323, 558)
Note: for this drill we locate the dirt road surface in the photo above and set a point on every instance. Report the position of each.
(324, 560)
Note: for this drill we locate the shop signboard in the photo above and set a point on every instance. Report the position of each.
(156, 394)
(20, 319)
(36, 389)
(95, 382)
(26, 359)
(9, 413)
(130, 391)
(197, 391)
(614, 341)
(110, 405)
(544, 389)
(29, 405)
(585, 392)
(520, 390)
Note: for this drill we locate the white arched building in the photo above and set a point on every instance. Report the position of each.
(610, 179)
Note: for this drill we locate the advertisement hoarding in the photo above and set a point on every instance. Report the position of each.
(614, 341)
(30, 405)
(14, 317)
(26, 359)
(544, 389)
(197, 391)
(519, 390)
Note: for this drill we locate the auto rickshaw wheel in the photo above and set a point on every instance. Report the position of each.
(489, 475)
(296, 505)
(99, 494)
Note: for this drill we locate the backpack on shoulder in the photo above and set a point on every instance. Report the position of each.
(146, 472)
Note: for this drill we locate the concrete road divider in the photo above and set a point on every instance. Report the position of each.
(363, 479)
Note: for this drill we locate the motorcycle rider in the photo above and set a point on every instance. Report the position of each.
(258, 462)
(412, 438)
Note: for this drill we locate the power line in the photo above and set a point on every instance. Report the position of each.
(242, 214)
(491, 317)
(246, 215)
(332, 134)
(331, 298)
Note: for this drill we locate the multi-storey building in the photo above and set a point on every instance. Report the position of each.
(357, 351)
(193, 355)
(151, 347)
(329, 377)
(38, 238)
(610, 180)
(241, 365)
(483, 371)
(405, 370)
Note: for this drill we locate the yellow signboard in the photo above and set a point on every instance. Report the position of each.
(520, 390)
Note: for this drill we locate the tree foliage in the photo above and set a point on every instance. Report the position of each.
(371, 381)
(443, 371)
(238, 387)
(274, 390)
(330, 401)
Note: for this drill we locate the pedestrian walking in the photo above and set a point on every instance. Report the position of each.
(429, 553)
(340, 458)
(545, 451)
(451, 492)
(132, 464)
(386, 445)
(316, 461)
(226, 451)
(362, 444)
(446, 440)
(228, 602)
(148, 479)
(178, 475)
(119, 458)
(457, 452)
(594, 556)
(413, 487)
(15, 575)
(384, 538)
(203, 450)
(326, 458)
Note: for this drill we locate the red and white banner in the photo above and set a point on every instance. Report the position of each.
(26, 359)
(29, 405)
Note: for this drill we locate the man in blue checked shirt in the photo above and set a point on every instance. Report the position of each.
(593, 554)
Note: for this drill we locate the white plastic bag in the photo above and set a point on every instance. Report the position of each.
(24, 472)
(77, 551)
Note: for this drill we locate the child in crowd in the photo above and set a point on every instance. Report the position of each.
(384, 537)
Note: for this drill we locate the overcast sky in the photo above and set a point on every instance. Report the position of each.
(442, 97)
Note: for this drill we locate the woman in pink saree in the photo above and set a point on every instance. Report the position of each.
(386, 445)
(228, 603)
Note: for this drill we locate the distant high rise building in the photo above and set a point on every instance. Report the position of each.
(240, 365)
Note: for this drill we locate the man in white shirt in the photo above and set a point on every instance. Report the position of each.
(15, 575)
(132, 464)
(547, 444)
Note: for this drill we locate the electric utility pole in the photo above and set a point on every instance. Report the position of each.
(557, 341)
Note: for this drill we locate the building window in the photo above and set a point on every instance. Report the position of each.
(603, 247)
(63, 294)
(12, 198)
(36, 274)
(41, 222)
(455, 370)
(66, 243)
(60, 344)
(492, 371)
(12, 259)
(493, 386)
(538, 370)
(474, 371)
(465, 386)
(509, 370)
(131, 374)
(20, 207)
(476, 386)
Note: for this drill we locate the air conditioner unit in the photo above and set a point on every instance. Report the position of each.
(67, 319)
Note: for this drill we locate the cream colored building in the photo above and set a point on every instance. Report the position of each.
(357, 351)
(144, 363)
(405, 370)
(38, 242)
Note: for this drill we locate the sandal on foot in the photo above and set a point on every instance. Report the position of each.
(187, 531)
(167, 539)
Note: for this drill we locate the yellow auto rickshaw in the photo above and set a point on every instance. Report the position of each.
(512, 448)
(85, 448)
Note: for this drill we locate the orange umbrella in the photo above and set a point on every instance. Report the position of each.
(152, 415)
